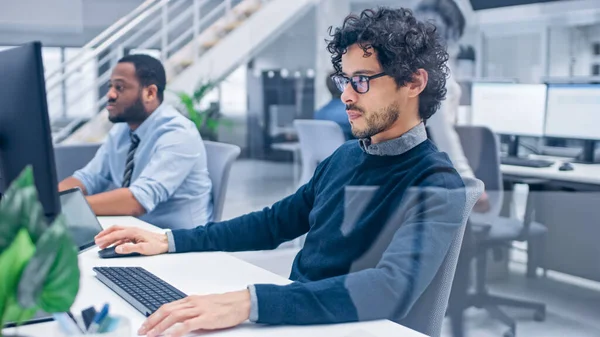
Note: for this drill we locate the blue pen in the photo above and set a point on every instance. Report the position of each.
(98, 319)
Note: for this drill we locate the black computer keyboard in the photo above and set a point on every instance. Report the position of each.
(142, 289)
(517, 161)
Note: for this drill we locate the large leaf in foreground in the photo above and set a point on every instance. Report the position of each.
(51, 278)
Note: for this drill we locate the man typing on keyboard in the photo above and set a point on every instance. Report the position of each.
(391, 186)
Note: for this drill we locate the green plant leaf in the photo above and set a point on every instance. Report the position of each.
(12, 263)
(51, 278)
(202, 90)
(20, 207)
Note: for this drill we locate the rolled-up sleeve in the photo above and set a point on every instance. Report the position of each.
(95, 176)
(175, 156)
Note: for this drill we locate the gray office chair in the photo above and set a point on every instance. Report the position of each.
(70, 158)
(220, 157)
(481, 148)
(318, 140)
(427, 313)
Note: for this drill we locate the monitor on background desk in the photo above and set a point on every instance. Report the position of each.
(512, 109)
(574, 113)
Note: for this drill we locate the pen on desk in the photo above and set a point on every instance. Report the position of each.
(98, 319)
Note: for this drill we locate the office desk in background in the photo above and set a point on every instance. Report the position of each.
(199, 273)
(566, 202)
(585, 176)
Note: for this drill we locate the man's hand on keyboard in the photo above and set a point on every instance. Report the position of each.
(199, 313)
(132, 240)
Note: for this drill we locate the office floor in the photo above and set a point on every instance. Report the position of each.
(572, 305)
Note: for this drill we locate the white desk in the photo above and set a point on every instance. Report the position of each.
(582, 173)
(199, 273)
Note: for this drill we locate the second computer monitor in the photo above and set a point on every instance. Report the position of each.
(509, 108)
(573, 111)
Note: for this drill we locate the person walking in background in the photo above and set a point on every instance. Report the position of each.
(450, 23)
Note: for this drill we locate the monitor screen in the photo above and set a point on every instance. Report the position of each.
(509, 108)
(573, 111)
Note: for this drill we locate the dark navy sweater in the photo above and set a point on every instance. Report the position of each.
(378, 229)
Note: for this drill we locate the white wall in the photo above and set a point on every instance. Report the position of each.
(514, 57)
(293, 50)
(571, 50)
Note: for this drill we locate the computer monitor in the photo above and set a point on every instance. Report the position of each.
(513, 109)
(574, 113)
(25, 137)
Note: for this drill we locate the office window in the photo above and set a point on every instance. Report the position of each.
(234, 100)
(596, 69)
(52, 58)
(81, 88)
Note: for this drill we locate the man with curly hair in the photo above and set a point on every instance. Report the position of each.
(380, 213)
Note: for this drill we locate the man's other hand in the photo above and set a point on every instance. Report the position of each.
(193, 313)
(133, 240)
(483, 204)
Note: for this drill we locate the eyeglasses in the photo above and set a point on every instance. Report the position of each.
(360, 83)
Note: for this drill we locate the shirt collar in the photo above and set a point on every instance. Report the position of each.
(396, 146)
(147, 124)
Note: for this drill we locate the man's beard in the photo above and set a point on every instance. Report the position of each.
(376, 122)
(135, 113)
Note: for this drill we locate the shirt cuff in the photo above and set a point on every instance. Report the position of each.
(171, 242)
(253, 304)
(85, 181)
(143, 196)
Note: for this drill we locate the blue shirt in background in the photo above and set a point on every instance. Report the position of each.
(335, 111)
(170, 177)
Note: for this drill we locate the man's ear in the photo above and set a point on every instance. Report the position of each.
(150, 92)
(418, 83)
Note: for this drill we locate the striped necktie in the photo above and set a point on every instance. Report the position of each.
(135, 140)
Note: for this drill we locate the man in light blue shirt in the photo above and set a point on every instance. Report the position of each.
(153, 162)
(335, 110)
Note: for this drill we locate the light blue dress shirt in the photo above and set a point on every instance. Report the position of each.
(170, 177)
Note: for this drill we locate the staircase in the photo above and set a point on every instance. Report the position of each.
(197, 40)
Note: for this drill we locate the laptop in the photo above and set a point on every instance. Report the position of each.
(81, 220)
(83, 226)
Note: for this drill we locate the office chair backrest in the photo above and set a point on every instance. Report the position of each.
(318, 140)
(70, 158)
(219, 158)
(427, 313)
(482, 149)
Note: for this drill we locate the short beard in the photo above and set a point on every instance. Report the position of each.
(134, 114)
(378, 122)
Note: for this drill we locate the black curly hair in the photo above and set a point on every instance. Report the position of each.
(403, 46)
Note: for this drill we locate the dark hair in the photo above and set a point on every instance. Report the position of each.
(403, 46)
(449, 11)
(148, 71)
(333, 89)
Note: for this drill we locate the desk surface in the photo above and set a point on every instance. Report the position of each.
(582, 173)
(200, 273)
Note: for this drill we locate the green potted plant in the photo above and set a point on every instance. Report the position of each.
(38, 263)
(207, 120)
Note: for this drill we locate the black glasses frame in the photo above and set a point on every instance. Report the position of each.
(341, 81)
